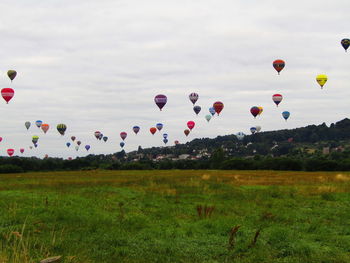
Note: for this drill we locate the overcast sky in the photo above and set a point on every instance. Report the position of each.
(97, 65)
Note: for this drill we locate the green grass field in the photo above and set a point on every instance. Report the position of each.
(175, 216)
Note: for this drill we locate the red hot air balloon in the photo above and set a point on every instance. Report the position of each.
(153, 130)
(278, 65)
(218, 106)
(45, 127)
(7, 94)
(97, 134)
(190, 125)
(160, 100)
(123, 135)
(0, 139)
(10, 152)
(21, 150)
(187, 132)
(254, 111)
(277, 98)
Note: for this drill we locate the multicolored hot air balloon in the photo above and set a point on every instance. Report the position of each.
(153, 130)
(278, 65)
(61, 128)
(212, 111)
(122, 144)
(68, 144)
(285, 115)
(35, 139)
(197, 109)
(159, 126)
(321, 80)
(10, 152)
(87, 147)
(165, 140)
(27, 124)
(21, 150)
(11, 74)
(73, 138)
(165, 135)
(261, 109)
(277, 98)
(253, 130)
(78, 143)
(193, 97)
(187, 132)
(218, 106)
(191, 124)
(240, 136)
(136, 129)
(105, 138)
(97, 134)
(208, 117)
(7, 94)
(45, 127)
(345, 43)
(160, 100)
(38, 123)
(123, 135)
(254, 111)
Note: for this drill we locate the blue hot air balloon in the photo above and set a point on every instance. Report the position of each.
(165, 140)
(38, 123)
(159, 126)
(165, 135)
(197, 109)
(253, 130)
(68, 144)
(105, 138)
(87, 147)
(212, 111)
(285, 115)
(136, 129)
(122, 144)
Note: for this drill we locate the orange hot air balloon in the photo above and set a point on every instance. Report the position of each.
(278, 64)
(45, 127)
(153, 130)
(187, 132)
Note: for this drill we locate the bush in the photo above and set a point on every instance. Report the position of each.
(10, 168)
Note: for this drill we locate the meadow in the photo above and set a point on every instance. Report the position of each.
(175, 216)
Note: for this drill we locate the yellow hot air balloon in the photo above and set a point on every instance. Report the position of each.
(261, 109)
(321, 79)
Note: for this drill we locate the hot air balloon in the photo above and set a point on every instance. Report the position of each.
(165, 140)
(190, 125)
(7, 94)
(187, 132)
(321, 80)
(212, 111)
(70, 158)
(35, 145)
(258, 128)
(27, 124)
(45, 127)
(261, 109)
(253, 130)
(35, 139)
(285, 115)
(240, 135)
(105, 138)
(10, 152)
(11, 74)
(278, 65)
(136, 129)
(277, 98)
(208, 117)
(30, 147)
(78, 142)
(165, 135)
(123, 135)
(97, 134)
(153, 130)
(159, 126)
(76, 147)
(100, 137)
(0, 139)
(197, 109)
(61, 128)
(218, 106)
(68, 144)
(38, 123)
(176, 142)
(160, 100)
(193, 97)
(122, 144)
(21, 150)
(73, 138)
(46, 156)
(345, 43)
(254, 111)
(87, 147)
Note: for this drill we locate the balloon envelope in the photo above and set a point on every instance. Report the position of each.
(7, 94)
(105, 138)
(253, 130)
(68, 144)
(254, 111)
(261, 109)
(159, 126)
(193, 97)
(321, 80)
(97, 134)
(73, 138)
(123, 135)
(187, 132)
(0, 139)
(258, 128)
(176, 142)
(61, 128)
(212, 111)
(21, 150)
(10, 152)
(165, 140)
(136, 129)
(197, 109)
(78, 142)
(160, 100)
(218, 106)
(278, 65)
(153, 130)
(38, 123)
(35, 139)
(27, 124)
(345, 43)
(87, 147)
(11, 74)
(240, 135)
(277, 98)
(208, 117)
(122, 144)
(165, 135)
(191, 124)
(285, 115)
(45, 127)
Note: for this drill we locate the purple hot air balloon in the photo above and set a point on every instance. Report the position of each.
(123, 135)
(87, 147)
(160, 100)
(193, 97)
(197, 109)
(136, 129)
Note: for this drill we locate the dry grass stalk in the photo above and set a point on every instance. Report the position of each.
(257, 233)
(199, 210)
(233, 232)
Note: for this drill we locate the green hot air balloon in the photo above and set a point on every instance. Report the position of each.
(35, 139)
(208, 117)
(11, 74)
(61, 128)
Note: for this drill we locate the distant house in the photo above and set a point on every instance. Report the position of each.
(184, 156)
(325, 150)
